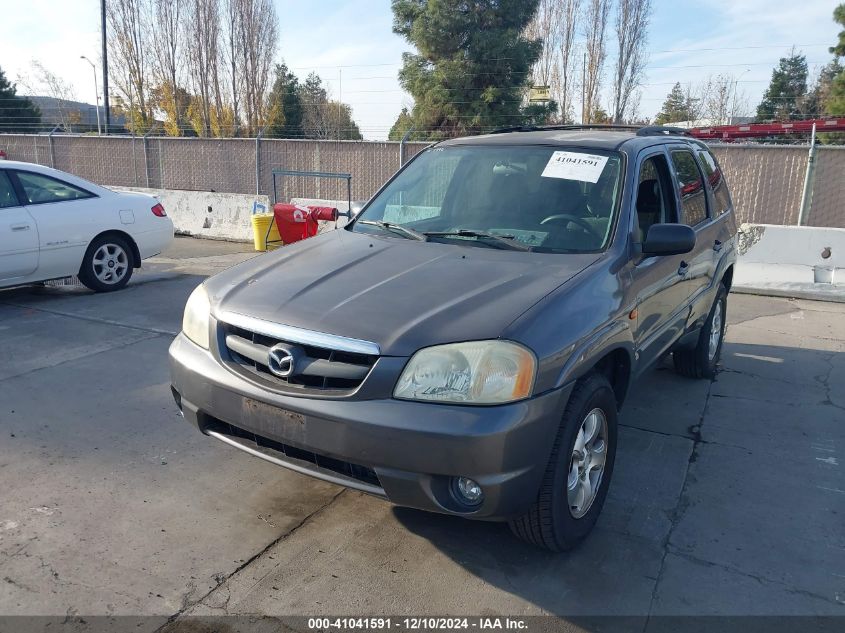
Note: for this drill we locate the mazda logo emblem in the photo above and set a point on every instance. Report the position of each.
(282, 360)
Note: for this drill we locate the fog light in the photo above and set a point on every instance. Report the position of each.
(467, 490)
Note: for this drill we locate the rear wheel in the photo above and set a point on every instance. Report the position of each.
(107, 264)
(578, 474)
(701, 360)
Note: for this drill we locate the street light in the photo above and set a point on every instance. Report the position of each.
(96, 92)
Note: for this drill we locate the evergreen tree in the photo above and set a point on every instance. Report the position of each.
(17, 114)
(286, 112)
(835, 103)
(403, 123)
(472, 66)
(784, 98)
(677, 107)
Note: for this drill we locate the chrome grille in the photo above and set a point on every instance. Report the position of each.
(315, 368)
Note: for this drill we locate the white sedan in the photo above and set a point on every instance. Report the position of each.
(54, 224)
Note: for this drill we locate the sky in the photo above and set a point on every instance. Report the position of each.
(350, 44)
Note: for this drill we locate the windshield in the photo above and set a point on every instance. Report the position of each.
(546, 199)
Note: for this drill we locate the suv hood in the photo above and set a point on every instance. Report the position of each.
(401, 294)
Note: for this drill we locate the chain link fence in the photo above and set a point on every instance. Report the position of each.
(766, 181)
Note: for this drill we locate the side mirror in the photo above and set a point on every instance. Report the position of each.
(357, 205)
(669, 239)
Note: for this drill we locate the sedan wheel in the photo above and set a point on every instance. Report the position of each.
(110, 263)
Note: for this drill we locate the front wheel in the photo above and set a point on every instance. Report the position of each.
(578, 474)
(107, 264)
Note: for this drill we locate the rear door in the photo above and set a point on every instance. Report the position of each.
(18, 234)
(694, 204)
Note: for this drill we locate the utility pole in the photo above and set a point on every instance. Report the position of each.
(105, 65)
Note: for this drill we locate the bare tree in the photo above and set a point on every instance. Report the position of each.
(545, 27)
(233, 56)
(44, 81)
(201, 39)
(720, 99)
(571, 14)
(257, 44)
(168, 66)
(632, 18)
(555, 25)
(128, 61)
(595, 26)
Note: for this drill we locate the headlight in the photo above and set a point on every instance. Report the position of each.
(195, 319)
(479, 372)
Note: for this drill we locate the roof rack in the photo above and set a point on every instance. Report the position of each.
(662, 130)
(566, 126)
(648, 130)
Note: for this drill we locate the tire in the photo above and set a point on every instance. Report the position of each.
(107, 265)
(552, 523)
(701, 361)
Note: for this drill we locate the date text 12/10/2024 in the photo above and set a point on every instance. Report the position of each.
(416, 624)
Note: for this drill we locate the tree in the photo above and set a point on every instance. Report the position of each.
(42, 80)
(555, 25)
(404, 122)
(259, 33)
(595, 25)
(632, 18)
(720, 100)
(835, 102)
(678, 106)
(820, 96)
(472, 64)
(17, 114)
(167, 67)
(783, 99)
(128, 23)
(285, 106)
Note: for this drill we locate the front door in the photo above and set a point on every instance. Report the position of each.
(659, 281)
(18, 234)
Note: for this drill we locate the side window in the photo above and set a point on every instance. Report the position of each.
(717, 181)
(655, 199)
(40, 188)
(8, 197)
(691, 188)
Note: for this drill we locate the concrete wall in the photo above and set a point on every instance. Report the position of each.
(209, 214)
(791, 261)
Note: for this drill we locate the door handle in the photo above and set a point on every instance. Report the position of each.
(20, 227)
(717, 246)
(683, 269)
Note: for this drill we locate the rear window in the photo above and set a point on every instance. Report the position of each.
(717, 182)
(553, 199)
(691, 188)
(41, 189)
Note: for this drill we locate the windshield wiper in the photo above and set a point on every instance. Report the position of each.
(397, 228)
(508, 241)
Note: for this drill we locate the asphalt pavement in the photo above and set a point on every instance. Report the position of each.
(728, 496)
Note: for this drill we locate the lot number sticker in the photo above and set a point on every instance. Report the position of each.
(575, 166)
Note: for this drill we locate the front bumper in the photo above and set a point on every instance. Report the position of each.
(414, 448)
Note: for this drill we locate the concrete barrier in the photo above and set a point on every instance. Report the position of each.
(209, 214)
(791, 261)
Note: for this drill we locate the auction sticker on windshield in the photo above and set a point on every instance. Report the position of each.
(575, 166)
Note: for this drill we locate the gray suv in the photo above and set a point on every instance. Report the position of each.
(464, 344)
